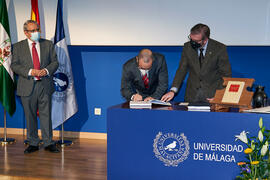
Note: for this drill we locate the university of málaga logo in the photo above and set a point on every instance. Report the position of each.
(60, 81)
(171, 148)
(61, 84)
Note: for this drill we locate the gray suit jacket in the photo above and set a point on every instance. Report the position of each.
(132, 82)
(208, 78)
(22, 62)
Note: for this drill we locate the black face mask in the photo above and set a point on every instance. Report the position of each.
(195, 45)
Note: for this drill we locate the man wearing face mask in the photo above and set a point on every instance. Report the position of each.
(34, 61)
(144, 77)
(207, 62)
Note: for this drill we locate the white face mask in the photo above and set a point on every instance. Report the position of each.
(35, 36)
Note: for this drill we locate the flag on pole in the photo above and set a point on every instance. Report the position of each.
(34, 11)
(64, 104)
(7, 85)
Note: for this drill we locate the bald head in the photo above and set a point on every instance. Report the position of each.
(145, 59)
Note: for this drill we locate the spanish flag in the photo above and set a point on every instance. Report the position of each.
(34, 11)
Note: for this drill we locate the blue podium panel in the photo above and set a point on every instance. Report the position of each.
(171, 144)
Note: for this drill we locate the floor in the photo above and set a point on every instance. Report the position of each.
(84, 159)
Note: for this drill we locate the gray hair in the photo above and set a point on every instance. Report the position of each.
(29, 22)
(146, 55)
(201, 28)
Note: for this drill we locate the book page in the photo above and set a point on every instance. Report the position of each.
(156, 101)
(233, 92)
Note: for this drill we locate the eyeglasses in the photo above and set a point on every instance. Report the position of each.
(34, 30)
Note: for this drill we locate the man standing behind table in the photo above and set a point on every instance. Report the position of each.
(34, 60)
(144, 77)
(207, 62)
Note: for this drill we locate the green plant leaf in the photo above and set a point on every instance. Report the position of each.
(256, 143)
(263, 129)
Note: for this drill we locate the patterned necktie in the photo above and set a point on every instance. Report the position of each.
(145, 81)
(201, 57)
(35, 58)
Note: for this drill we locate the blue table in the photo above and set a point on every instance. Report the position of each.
(153, 144)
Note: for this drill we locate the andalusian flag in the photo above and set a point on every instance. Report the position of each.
(7, 86)
(34, 11)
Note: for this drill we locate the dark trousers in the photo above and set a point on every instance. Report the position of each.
(200, 97)
(38, 100)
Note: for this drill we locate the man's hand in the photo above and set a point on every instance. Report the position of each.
(137, 97)
(148, 98)
(168, 96)
(35, 72)
(42, 73)
(209, 99)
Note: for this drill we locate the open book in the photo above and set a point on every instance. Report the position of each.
(147, 104)
(159, 102)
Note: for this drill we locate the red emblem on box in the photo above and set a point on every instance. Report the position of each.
(234, 88)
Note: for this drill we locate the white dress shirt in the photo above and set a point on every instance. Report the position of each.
(143, 72)
(30, 44)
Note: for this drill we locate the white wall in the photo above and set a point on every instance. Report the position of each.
(148, 22)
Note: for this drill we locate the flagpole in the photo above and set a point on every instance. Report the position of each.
(62, 142)
(62, 53)
(6, 140)
(5, 125)
(62, 136)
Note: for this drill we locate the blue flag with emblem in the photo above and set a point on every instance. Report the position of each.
(64, 104)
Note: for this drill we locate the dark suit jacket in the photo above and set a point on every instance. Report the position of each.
(208, 78)
(132, 82)
(22, 62)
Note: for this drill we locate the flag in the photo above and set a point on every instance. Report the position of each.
(64, 104)
(34, 11)
(7, 85)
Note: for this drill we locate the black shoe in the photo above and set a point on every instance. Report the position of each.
(31, 149)
(52, 148)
